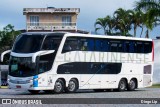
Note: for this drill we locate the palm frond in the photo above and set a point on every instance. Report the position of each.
(147, 4)
(96, 29)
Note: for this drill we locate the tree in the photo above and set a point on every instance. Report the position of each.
(145, 15)
(110, 25)
(123, 20)
(7, 37)
(102, 23)
(107, 24)
(149, 23)
(137, 20)
(152, 11)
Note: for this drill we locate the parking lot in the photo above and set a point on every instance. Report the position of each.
(139, 93)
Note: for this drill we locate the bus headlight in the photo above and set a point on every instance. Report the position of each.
(8, 80)
(29, 81)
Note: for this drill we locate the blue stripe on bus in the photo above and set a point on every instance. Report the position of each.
(35, 81)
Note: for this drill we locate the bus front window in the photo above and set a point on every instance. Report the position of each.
(28, 43)
(22, 67)
(45, 62)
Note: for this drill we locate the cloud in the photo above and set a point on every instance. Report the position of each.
(12, 10)
(90, 10)
(156, 73)
(1, 26)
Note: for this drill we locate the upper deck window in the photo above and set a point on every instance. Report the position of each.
(28, 43)
(51, 43)
(107, 45)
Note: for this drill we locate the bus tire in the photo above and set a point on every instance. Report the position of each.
(59, 86)
(132, 85)
(122, 85)
(72, 86)
(34, 91)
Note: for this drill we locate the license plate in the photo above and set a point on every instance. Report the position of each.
(18, 86)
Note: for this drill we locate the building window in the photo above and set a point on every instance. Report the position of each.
(66, 20)
(34, 20)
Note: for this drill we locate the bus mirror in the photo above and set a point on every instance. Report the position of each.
(3, 54)
(39, 53)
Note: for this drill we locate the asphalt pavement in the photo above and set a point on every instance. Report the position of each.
(150, 93)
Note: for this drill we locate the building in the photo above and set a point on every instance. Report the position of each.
(52, 19)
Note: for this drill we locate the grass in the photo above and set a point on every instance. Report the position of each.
(155, 86)
(3, 87)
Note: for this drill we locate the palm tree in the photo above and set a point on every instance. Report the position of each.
(152, 10)
(123, 20)
(137, 20)
(146, 5)
(107, 24)
(149, 23)
(102, 22)
(110, 23)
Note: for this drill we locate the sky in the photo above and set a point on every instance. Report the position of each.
(156, 73)
(11, 11)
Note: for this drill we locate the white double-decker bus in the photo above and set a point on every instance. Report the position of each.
(65, 62)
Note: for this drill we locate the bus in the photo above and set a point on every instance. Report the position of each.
(60, 62)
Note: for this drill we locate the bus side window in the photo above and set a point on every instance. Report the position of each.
(126, 46)
(131, 47)
(139, 47)
(90, 46)
(115, 46)
(147, 47)
(71, 44)
(98, 45)
(105, 45)
(120, 47)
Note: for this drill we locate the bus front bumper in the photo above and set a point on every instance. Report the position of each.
(25, 87)
(14, 86)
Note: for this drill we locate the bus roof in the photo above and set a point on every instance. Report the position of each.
(43, 33)
(89, 35)
(108, 36)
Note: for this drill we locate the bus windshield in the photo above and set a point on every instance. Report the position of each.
(28, 43)
(22, 67)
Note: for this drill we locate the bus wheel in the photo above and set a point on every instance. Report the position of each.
(132, 85)
(59, 86)
(34, 91)
(72, 86)
(122, 85)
